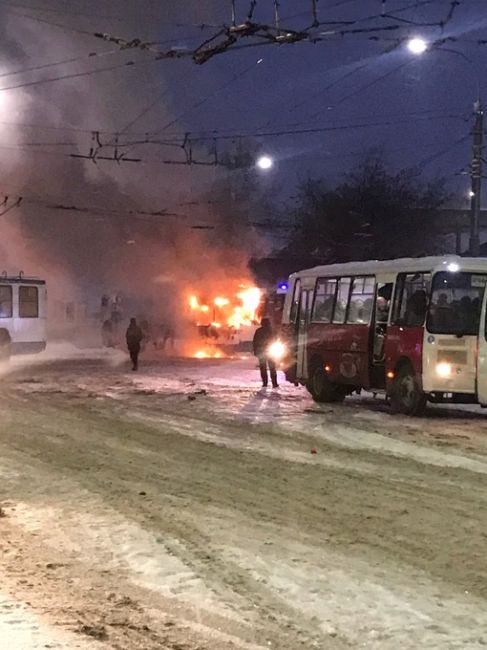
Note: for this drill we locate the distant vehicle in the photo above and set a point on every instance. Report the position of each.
(23, 315)
(414, 328)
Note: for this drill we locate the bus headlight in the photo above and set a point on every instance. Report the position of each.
(443, 369)
(277, 350)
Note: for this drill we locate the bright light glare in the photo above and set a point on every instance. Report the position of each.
(443, 369)
(471, 193)
(453, 267)
(277, 350)
(265, 162)
(221, 302)
(417, 45)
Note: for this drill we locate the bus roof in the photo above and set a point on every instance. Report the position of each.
(20, 279)
(403, 265)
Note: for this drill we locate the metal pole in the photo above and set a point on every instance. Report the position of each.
(476, 178)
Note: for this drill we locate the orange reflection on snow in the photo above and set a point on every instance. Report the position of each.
(208, 354)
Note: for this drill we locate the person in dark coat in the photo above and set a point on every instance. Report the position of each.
(134, 338)
(262, 339)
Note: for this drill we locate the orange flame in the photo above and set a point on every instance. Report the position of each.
(221, 302)
(234, 311)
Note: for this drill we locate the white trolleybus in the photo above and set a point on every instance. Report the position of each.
(23, 317)
(414, 328)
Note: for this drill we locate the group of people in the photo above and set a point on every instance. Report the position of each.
(262, 339)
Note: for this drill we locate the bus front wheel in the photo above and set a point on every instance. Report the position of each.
(322, 389)
(407, 397)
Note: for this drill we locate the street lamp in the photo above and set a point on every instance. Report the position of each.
(417, 45)
(265, 162)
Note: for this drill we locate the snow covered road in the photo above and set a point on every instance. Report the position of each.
(181, 508)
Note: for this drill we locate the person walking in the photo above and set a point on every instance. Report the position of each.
(262, 339)
(134, 338)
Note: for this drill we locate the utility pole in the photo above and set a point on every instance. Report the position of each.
(476, 178)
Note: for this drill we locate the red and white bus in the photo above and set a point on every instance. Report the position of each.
(414, 328)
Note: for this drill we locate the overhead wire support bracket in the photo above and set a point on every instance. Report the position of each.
(276, 16)
(314, 13)
(228, 37)
(253, 4)
(115, 147)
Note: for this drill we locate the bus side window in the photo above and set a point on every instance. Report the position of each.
(341, 303)
(411, 299)
(324, 299)
(5, 301)
(295, 303)
(28, 302)
(361, 300)
(383, 302)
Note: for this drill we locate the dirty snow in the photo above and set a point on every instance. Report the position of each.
(180, 507)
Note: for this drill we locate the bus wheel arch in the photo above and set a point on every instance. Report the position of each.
(407, 396)
(319, 384)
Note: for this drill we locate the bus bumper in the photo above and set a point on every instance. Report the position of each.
(27, 347)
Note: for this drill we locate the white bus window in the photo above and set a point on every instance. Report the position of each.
(324, 299)
(456, 301)
(5, 301)
(295, 303)
(342, 300)
(411, 299)
(361, 300)
(28, 302)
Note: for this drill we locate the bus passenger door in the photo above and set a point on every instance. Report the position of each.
(482, 355)
(379, 332)
(302, 334)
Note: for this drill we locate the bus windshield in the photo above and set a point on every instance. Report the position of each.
(456, 301)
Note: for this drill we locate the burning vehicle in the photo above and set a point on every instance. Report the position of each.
(225, 323)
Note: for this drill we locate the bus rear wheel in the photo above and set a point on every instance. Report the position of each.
(5, 345)
(322, 389)
(407, 397)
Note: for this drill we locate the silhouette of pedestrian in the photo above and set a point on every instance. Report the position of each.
(134, 338)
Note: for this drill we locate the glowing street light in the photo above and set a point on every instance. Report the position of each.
(417, 45)
(265, 162)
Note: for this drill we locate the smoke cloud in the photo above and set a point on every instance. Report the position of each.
(104, 244)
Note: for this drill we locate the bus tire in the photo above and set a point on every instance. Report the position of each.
(5, 346)
(407, 397)
(322, 389)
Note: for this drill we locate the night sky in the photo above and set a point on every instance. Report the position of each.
(293, 87)
(422, 105)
